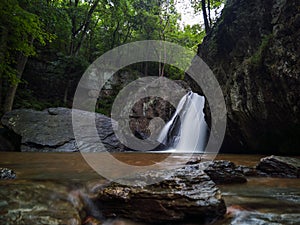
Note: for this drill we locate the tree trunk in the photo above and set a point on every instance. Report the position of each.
(1, 87)
(146, 69)
(86, 26)
(209, 12)
(205, 18)
(66, 92)
(3, 47)
(11, 92)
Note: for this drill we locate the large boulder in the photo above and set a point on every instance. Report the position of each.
(51, 130)
(188, 194)
(23, 202)
(254, 53)
(278, 166)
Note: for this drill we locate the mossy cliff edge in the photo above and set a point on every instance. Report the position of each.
(253, 51)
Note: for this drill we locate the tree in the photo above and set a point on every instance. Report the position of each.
(65, 35)
(19, 30)
(206, 7)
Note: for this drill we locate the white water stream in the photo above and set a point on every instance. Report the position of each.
(187, 129)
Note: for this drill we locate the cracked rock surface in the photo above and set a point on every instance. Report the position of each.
(186, 194)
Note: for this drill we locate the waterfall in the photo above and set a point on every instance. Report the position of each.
(187, 129)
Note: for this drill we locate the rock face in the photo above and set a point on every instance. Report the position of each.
(7, 174)
(186, 195)
(38, 203)
(51, 130)
(254, 52)
(147, 104)
(277, 166)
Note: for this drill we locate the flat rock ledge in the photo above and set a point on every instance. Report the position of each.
(278, 166)
(51, 130)
(187, 194)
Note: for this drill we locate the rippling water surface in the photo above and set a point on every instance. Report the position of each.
(260, 201)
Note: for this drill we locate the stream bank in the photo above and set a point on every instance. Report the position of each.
(64, 178)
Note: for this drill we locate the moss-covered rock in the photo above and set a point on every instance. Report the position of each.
(253, 51)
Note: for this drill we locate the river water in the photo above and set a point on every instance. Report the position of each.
(259, 201)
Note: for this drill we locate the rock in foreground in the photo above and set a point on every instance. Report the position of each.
(51, 130)
(33, 203)
(278, 166)
(7, 174)
(186, 195)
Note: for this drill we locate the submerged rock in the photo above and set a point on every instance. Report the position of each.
(223, 172)
(188, 194)
(38, 203)
(7, 174)
(249, 171)
(51, 130)
(278, 166)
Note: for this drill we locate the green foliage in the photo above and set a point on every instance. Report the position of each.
(174, 73)
(26, 99)
(104, 105)
(212, 9)
(19, 28)
(190, 36)
(68, 35)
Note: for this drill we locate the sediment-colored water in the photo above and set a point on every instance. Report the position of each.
(259, 201)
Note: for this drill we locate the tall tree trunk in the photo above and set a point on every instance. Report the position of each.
(146, 69)
(1, 91)
(209, 12)
(165, 60)
(11, 92)
(66, 92)
(205, 18)
(86, 26)
(3, 47)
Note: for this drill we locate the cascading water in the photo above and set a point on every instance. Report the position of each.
(187, 129)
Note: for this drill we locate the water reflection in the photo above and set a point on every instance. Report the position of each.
(259, 201)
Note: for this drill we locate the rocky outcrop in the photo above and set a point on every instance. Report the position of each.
(254, 52)
(7, 174)
(51, 130)
(151, 99)
(223, 172)
(186, 195)
(277, 166)
(38, 203)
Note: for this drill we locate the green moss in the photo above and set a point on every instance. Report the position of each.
(257, 58)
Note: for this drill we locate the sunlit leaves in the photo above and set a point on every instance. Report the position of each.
(19, 29)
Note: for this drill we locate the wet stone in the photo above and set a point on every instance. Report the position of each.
(187, 194)
(7, 174)
(279, 166)
(35, 203)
